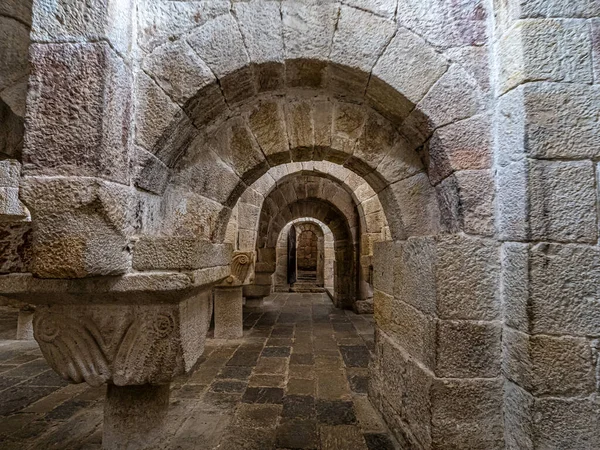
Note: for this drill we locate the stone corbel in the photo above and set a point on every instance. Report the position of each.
(124, 345)
(242, 270)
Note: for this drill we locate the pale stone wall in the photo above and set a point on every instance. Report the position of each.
(461, 134)
(546, 149)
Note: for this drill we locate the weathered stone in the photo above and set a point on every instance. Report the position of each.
(228, 313)
(157, 342)
(562, 286)
(79, 119)
(69, 20)
(466, 201)
(455, 422)
(83, 226)
(547, 365)
(572, 132)
(261, 28)
(359, 50)
(467, 278)
(445, 25)
(415, 332)
(155, 253)
(515, 285)
(134, 414)
(267, 123)
(464, 145)
(419, 212)
(14, 45)
(468, 349)
(160, 22)
(562, 201)
(308, 30)
(426, 66)
(220, 45)
(178, 71)
(545, 50)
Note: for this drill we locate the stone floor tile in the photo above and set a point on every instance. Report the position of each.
(379, 442)
(237, 438)
(279, 342)
(68, 409)
(201, 427)
(341, 437)
(235, 373)
(220, 401)
(297, 434)
(358, 379)
(271, 366)
(18, 397)
(263, 395)
(190, 391)
(300, 386)
(297, 371)
(299, 407)
(302, 358)
(335, 412)
(278, 352)
(257, 415)
(228, 386)
(267, 381)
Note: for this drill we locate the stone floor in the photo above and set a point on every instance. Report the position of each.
(297, 380)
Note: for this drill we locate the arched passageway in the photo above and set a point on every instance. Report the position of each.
(159, 150)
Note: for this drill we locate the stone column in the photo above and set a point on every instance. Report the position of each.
(25, 323)
(228, 312)
(76, 179)
(547, 219)
(134, 416)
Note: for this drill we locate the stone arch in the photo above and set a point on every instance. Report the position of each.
(325, 273)
(292, 100)
(372, 218)
(344, 245)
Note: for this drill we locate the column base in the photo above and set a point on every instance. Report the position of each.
(134, 416)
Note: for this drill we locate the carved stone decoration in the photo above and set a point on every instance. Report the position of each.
(74, 349)
(123, 344)
(242, 269)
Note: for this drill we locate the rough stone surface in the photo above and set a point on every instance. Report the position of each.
(447, 149)
(78, 121)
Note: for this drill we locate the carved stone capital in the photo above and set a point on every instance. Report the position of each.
(242, 269)
(123, 344)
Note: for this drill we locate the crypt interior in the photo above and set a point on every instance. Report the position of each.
(299, 224)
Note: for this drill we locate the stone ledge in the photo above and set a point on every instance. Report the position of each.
(136, 288)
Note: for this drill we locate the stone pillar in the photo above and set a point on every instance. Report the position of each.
(547, 216)
(134, 416)
(228, 305)
(439, 340)
(76, 179)
(25, 323)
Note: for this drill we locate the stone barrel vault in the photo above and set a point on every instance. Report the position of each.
(450, 147)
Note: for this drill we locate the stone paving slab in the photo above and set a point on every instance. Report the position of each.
(296, 380)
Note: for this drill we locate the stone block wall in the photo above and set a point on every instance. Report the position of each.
(546, 149)
(439, 341)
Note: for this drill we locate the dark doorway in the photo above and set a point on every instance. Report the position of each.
(291, 247)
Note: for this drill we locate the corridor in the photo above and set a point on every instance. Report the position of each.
(297, 380)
